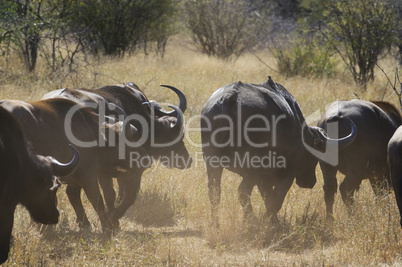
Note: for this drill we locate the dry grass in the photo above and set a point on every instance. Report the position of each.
(169, 224)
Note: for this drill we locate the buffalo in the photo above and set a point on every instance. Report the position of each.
(50, 125)
(366, 158)
(395, 163)
(26, 178)
(259, 132)
(162, 132)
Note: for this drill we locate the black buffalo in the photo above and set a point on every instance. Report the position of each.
(162, 132)
(366, 158)
(259, 132)
(47, 127)
(395, 165)
(26, 178)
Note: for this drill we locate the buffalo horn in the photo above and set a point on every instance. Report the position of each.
(344, 141)
(64, 169)
(182, 97)
(180, 120)
(159, 112)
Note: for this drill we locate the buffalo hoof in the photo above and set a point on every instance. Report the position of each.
(271, 220)
(116, 225)
(111, 226)
(114, 221)
(330, 217)
(84, 225)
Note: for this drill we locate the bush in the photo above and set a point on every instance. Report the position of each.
(305, 57)
(22, 25)
(116, 27)
(59, 30)
(360, 30)
(224, 28)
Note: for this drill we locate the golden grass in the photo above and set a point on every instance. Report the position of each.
(169, 224)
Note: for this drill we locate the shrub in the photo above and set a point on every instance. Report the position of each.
(224, 28)
(359, 30)
(59, 30)
(304, 57)
(116, 27)
(22, 25)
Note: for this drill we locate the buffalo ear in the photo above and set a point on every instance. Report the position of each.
(318, 140)
(102, 130)
(116, 127)
(119, 127)
(56, 184)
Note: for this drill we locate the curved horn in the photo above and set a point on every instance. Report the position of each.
(182, 97)
(180, 120)
(344, 141)
(159, 112)
(64, 169)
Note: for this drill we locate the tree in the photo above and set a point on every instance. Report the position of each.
(30, 26)
(358, 29)
(23, 23)
(398, 10)
(120, 26)
(59, 30)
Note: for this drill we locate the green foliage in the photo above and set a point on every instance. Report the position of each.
(224, 28)
(58, 30)
(305, 57)
(36, 28)
(398, 12)
(360, 30)
(117, 27)
(22, 25)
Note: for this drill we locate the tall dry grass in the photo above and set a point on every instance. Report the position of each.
(169, 223)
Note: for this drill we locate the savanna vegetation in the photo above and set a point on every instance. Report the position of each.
(169, 225)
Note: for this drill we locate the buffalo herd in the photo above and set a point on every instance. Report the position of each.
(255, 130)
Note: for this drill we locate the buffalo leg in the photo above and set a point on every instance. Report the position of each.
(74, 196)
(214, 191)
(274, 197)
(396, 178)
(266, 192)
(106, 183)
(94, 196)
(109, 195)
(122, 190)
(131, 182)
(350, 184)
(245, 189)
(330, 187)
(6, 226)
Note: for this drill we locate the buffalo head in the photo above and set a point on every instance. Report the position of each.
(317, 143)
(39, 195)
(168, 132)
